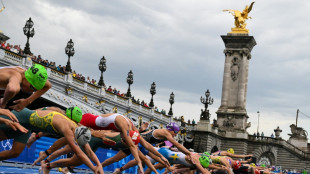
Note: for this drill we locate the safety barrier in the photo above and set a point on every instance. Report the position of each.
(30, 154)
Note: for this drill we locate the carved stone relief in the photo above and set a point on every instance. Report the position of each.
(235, 67)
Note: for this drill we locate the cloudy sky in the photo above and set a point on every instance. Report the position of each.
(177, 45)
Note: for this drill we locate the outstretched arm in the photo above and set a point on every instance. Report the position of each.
(178, 145)
(235, 155)
(150, 148)
(68, 134)
(22, 103)
(93, 157)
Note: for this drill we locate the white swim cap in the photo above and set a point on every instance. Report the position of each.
(82, 135)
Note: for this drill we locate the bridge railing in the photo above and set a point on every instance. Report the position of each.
(280, 142)
(11, 58)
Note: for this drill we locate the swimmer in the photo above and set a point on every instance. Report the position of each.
(14, 79)
(49, 122)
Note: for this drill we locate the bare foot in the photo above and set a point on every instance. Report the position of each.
(42, 156)
(117, 171)
(45, 169)
(31, 139)
(42, 163)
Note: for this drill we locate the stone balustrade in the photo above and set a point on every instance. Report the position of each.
(72, 91)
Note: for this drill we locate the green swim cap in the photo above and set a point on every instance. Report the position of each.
(36, 76)
(263, 165)
(74, 113)
(204, 161)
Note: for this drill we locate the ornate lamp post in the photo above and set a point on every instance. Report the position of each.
(153, 92)
(257, 121)
(129, 81)
(102, 67)
(29, 32)
(171, 101)
(205, 115)
(70, 52)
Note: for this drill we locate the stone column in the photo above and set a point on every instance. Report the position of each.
(232, 116)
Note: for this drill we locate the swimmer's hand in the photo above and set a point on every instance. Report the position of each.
(42, 156)
(8, 113)
(15, 126)
(20, 104)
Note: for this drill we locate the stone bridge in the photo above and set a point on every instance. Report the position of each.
(267, 150)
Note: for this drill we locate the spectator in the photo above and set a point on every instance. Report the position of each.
(53, 65)
(8, 46)
(74, 74)
(262, 135)
(110, 89)
(156, 109)
(142, 102)
(88, 79)
(193, 121)
(272, 136)
(34, 58)
(3, 44)
(138, 101)
(13, 49)
(64, 69)
(163, 112)
(257, 135)
(145, 105)
(39, 58)
(58, 68)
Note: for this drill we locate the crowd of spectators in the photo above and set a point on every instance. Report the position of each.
(15, 48)
(38, 59)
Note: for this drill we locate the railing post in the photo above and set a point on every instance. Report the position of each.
(69, 78)
(27, 62)
(101, 91)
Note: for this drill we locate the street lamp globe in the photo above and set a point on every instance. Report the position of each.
(129, 81)
(69, 50)
(102, 67)
(153, 92)
(29, 32)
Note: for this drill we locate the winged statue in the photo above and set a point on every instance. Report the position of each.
(241, 17)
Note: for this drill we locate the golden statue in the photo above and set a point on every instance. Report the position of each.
(240, 18)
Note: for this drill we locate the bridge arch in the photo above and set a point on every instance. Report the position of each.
(266, 155)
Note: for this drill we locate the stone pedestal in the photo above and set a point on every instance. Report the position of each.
(298, 142)
(231, 115)
(204, 125)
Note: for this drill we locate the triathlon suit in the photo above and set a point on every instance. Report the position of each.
(149, 137)
(33, 122)
(96, 143)
(217, 153)
(242, 170)
(97, 122)
(175, 157)
(218, 161)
